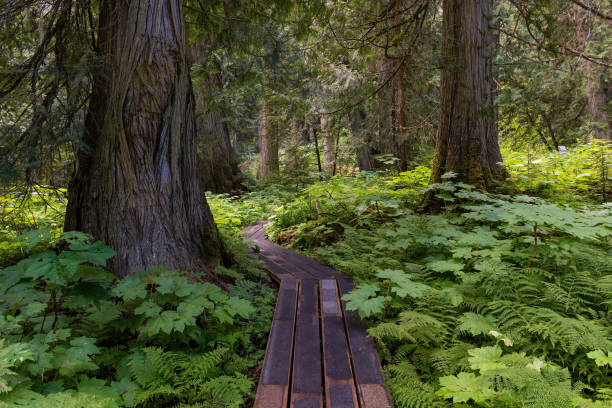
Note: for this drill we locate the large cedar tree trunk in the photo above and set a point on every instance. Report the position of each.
(467, 140)
(136, 185)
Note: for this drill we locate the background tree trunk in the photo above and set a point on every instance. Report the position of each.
(467, 140)
(269, 164)
(221, 172)
(589, 29)
(364, 155)
(398, 119)
(136, 185)
(215, 147)
(598, 99)
(315, 140)
(328, 144)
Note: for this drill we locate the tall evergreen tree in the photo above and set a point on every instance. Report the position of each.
(467, 139)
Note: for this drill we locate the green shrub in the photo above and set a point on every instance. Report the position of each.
(74, 335)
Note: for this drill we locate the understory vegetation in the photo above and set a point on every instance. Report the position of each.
(503, 299)
(74, 335)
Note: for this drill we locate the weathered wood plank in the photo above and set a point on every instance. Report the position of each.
(340, 389)
(277, 259)
(368, 374)
(307, 402)
(276, 271)
(273, 389)
(252, 229)
(283, 256)
(298, 260)
(310, 317)
(307, 389)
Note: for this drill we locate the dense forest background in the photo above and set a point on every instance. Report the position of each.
(453, 157)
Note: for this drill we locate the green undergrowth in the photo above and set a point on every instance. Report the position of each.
(23, 210)
(502, 300)
(582, 174)
(73, 335)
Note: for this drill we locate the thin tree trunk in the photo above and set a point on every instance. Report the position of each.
(327, 140)
(401, 142)
(538, 131)
(136, 185)
(269, 165)
(364, 155)
(337, 148)
(400, 148)
(467, 140)
(313, 135)
(597, 79)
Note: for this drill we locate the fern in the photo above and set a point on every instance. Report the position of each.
(412, 326)
(569, 334)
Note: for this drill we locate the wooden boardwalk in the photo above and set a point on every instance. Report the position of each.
(318, 353)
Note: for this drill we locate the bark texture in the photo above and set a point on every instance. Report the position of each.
(467, 139)
(313, 136)
(136, 185)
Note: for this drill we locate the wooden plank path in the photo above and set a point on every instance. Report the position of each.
(318, 353)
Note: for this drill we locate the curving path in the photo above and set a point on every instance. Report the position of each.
(318, 353)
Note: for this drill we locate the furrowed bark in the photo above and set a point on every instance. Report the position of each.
(136, 184)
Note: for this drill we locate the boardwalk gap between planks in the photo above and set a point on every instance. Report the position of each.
(318, 353)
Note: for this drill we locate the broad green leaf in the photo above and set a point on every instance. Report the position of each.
(34, 309)
(450, 265)
(601, 359)
(130, 288)
(485, 358)
(465, 387)
(404, 286)
(241, 307)
(475, 324)
(365, 301)
(148, 309)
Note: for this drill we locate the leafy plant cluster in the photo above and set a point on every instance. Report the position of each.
(583, 172)
(522, 282)
(74, 335)
(232, 213)
(22, 211)
(319, 214)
